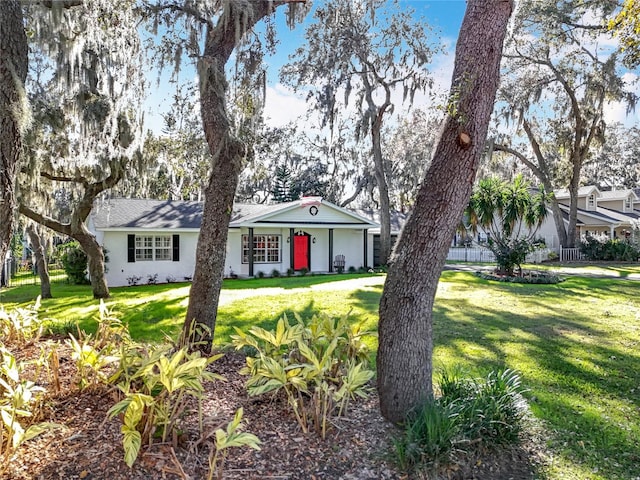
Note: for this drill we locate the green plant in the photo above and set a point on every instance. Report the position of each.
(74, 262)
(157, 383)
(21, 325)
(275, 273)
(429, 436)
(320, 365)
(601, 247)
(470, 414)
(352, 269)
(18, 400)
(94, 353)
(303, 271)
(229, 438)
(260, 274)
(290, 272)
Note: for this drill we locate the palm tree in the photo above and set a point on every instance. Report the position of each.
(511, 215)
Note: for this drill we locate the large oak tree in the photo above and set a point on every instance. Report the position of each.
(14, 112)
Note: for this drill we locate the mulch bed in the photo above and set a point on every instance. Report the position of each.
(88, 446)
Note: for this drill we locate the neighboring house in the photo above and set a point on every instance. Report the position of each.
(609, 212)
(148, 237)
(599, 212)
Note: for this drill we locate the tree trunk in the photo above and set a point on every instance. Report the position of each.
(95, 263)
(405, 328)
(41, 261)
(228, 154)
(383, 190)
(13, 73)
(77, 230)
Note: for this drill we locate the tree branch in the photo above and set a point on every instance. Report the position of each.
(62, 228)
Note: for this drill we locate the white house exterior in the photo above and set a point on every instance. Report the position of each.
(150, 237)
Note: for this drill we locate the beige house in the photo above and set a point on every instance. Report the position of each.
(610, 212)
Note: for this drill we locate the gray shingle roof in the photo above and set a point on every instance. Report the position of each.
(136, 213)
(171, 214)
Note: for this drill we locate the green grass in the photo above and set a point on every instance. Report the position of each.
(575, 344)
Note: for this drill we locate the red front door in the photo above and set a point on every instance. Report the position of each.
(300, 252)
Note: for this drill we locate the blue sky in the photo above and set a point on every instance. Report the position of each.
(444, 15)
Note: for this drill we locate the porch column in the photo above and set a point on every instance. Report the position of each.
(251, 252)
(330, 250)
(291, 244)
(365, 248)
(612, 229)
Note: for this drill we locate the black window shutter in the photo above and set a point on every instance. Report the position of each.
(131, 248)
(176, 248)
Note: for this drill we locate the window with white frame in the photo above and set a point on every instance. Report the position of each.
(627, 204)
(153, 248)
(591, 202)
(266, 248)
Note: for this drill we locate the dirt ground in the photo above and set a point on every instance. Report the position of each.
(88, 446)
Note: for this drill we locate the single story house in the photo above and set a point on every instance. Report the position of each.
(144, 238)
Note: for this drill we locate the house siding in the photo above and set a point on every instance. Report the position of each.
(119, 268)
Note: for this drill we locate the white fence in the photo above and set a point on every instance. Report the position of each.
(480, 254)
(570, 254)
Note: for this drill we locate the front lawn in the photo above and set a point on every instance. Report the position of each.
(575, 343)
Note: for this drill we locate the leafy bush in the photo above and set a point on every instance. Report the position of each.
(352, 269)
(152, 279)
(601, 247)
(275, 273)
(93, 354)
(290, 272)
(74, 262)
(469, 415)
(320, 365)
(22, 325)
(18, 400)
(133, 280)
(170, 279)
(156, 383)
(260, 274)
(303, 271)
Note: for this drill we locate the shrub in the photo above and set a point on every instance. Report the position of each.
(133, 280)
(19, 398)
(22, 325)
(170, 279)
(74, 262)
(469, 415)
(152, 279)
(156, 383)
(275, 273)
(303, 271)
(320, 365)
(260, 274)
(352, 269)
(290, 272)
(601, 247)
(93, 354)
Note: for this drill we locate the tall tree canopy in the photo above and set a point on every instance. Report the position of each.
(367, 52)
(211, 32)
(406, 309)
(555, 90)
(626, 26)
(84, 86)
(14, 112)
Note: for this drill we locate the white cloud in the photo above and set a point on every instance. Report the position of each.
(283, 105)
